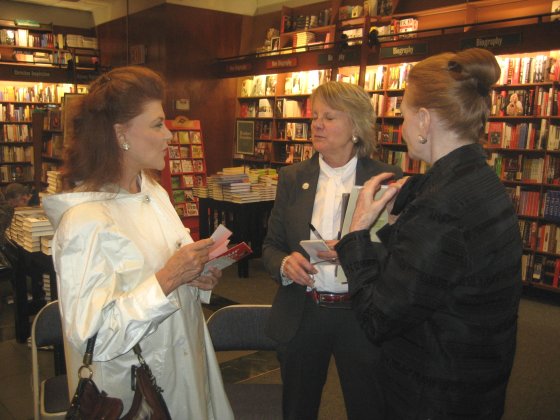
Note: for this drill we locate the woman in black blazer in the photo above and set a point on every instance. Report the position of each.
(441, 294)
(310, 318)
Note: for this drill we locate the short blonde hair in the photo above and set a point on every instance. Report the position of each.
(356, 103)
(457, 87)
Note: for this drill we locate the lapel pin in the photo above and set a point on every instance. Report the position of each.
(305, 186)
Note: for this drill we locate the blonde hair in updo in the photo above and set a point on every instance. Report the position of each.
(457, 87)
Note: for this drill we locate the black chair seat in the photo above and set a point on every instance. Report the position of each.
(56, 394)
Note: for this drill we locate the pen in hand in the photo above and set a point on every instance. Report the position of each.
(315, 232)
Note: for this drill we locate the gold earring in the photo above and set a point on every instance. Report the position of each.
(355, 139)
(422, 139)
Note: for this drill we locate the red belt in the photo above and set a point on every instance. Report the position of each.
(327, 297)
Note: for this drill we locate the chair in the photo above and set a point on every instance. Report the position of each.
(241, 327)
(50, 396)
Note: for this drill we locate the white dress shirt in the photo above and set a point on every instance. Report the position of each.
(327, 209)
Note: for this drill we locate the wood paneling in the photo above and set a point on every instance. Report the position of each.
(111, 38)
(182, 43)
(197, 38)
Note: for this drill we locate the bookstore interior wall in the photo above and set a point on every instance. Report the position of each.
(522, 134)
(183, 43)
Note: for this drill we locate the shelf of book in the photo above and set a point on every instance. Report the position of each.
(185, 169)
(48, 137)
(278, 110)
(527, 138)
(523, 143)
(20, 101)
(26, 42)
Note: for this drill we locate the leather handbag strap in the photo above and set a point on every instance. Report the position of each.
(88, 355)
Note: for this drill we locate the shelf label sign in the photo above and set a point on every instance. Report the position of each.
(403, 50)
(492, 42)
(238, 67)
(36, 74)
(281, 63)
(341, 57)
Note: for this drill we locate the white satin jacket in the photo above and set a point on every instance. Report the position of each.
(106, 249)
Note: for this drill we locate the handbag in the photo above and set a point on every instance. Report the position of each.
(89, 403)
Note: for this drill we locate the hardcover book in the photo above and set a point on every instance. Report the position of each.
(196, 151)
(198, 165)
(188, 181)
(175, 182)
(183, 137)
(189, 196)
(192, 209)
(180, 209)
(184, 151)
(186, 165)
(195, 137)
(173, 152)
(175, 166)
(178, 196)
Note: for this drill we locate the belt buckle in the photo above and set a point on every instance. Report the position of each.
(322, 298)
(330, 300)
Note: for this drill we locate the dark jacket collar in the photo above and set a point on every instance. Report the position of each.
(464, 158)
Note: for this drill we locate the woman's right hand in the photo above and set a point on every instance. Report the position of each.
(367, 208)
(298, 269)
(185, 265)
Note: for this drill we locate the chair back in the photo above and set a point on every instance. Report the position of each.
(47, 326)
(240, 327)
(50, 397)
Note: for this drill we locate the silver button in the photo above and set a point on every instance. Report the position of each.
(147, 198)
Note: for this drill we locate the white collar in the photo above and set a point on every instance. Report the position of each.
(340, 172)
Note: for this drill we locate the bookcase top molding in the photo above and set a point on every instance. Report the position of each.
(107, 10)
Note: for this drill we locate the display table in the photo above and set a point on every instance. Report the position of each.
(32, 265)
(247, 221)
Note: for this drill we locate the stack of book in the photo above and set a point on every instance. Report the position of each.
(301, 39)
(240, 185)
(265, 192)
(54, 181)
(222, 185)
(46, 244)
(47, 287)
(201, 191)
(28, 226)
